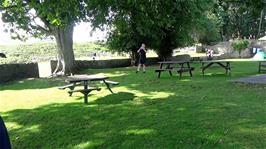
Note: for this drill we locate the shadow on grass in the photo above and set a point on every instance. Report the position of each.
(33, 83)
(115, 98)
(122, 121)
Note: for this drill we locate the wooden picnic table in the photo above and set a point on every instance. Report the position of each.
(178, 66)
(226, 64)
(85, 81)
(222, 63)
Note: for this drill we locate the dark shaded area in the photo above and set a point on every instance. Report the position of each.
(9, 72)
(34, 83)
(2, 55)
(4, 138)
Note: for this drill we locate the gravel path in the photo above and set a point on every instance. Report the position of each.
(258, 79)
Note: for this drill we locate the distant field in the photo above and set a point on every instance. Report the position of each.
(41, 52)
(38, 52)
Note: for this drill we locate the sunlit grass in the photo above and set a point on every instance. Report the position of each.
(145, 112)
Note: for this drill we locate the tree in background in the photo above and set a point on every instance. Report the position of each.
(241, 19)
(161, 24)
(46, 18)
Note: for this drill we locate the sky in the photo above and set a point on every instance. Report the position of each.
(82, 33)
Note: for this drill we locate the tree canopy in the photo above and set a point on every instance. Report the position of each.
(46, 18)
(162, 24)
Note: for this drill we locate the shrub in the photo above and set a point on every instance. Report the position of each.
(240, 45)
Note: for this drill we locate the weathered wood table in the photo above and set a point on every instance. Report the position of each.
(226, 64)
(178, 66)
(222, 63)
(85, 81)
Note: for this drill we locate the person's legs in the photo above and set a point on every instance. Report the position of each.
(143, 67)
(138, 68)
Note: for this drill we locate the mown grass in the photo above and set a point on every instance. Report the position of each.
(145, 112)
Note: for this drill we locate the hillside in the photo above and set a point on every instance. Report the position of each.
(39, 52)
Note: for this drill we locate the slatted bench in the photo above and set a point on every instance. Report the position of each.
(180, 68)
(262, 67)
(109, 84)
(71, 86)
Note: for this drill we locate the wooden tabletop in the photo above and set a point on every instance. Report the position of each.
(234, 60)
(79, 78)
(172, 62)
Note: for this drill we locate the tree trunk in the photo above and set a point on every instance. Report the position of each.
(64, 41)
(134, 58)
(165, 50)
(261, 18)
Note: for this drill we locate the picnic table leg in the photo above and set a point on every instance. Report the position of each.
(72, 88)
(202, 68)
(259, 67)
(170, 72)
(205, 67)
(228, 65)
(85, 93)
(108, 86)
(161, 66)
(180, 73)
(190, 71)
(159, 74)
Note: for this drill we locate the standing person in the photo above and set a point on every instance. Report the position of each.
(142, 58)
(209, 54)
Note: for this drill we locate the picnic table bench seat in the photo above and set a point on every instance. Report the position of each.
(163, 69)
(85, 91)
(262, 67)
(70, 86)
(109, 84)
(179, 70)
(185, 69)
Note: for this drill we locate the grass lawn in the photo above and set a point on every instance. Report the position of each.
(146, 112)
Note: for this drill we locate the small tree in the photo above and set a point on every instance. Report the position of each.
(240, 46)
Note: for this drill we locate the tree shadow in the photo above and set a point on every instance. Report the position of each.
(157, 123)
(116, 98)
(33, 83)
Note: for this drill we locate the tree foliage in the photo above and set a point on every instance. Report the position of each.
(162, 24)
(240, 45)
(46, 18)
(240, 19)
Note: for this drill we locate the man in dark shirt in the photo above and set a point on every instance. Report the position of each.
(142, 58)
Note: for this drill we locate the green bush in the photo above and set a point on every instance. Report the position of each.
(240, 45)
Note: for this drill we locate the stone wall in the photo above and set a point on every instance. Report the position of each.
(100, 64)
(47, 68)
(9, 72)
(225, 50)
